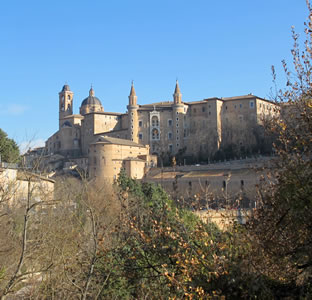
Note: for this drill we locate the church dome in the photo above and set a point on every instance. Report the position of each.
(91, 100)
(91, 104)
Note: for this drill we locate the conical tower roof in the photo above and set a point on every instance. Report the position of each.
(132, 91)
(177, 88)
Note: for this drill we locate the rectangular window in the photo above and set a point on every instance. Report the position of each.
(169, 135)
(251, 104)
(140, 123)
(169, 123)
(203, 109)
(140, 136)
(170, 148)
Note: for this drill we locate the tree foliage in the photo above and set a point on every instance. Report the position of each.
(9, 150)
(162, 252)
(282, 225)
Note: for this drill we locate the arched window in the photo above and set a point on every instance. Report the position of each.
(155, 121)
(155, 134)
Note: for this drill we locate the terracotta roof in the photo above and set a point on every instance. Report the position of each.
(250, 96)
(74, 116)
(203, 101)
(110, 140)
(244, 97)
(111, 131)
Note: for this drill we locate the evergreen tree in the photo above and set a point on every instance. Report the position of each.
(9, 150)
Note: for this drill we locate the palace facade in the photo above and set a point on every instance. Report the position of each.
(144, 132)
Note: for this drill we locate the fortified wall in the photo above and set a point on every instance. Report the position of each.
(226, 184)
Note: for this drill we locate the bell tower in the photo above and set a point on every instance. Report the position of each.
(65, 103)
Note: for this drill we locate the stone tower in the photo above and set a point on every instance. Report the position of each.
(65, 103)
(177, 118)
(133, 116)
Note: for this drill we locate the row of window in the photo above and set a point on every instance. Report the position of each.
(155, 122)
(240, 105)
(155, 134)
(203, 109)
(170, 123)
(224, 184)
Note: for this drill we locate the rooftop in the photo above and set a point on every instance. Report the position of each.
(110, 140)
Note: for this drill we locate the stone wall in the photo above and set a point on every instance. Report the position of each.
(231, 184)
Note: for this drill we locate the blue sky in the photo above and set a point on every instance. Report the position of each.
(215, 48)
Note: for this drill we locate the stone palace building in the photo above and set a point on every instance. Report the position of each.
(104, 142)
